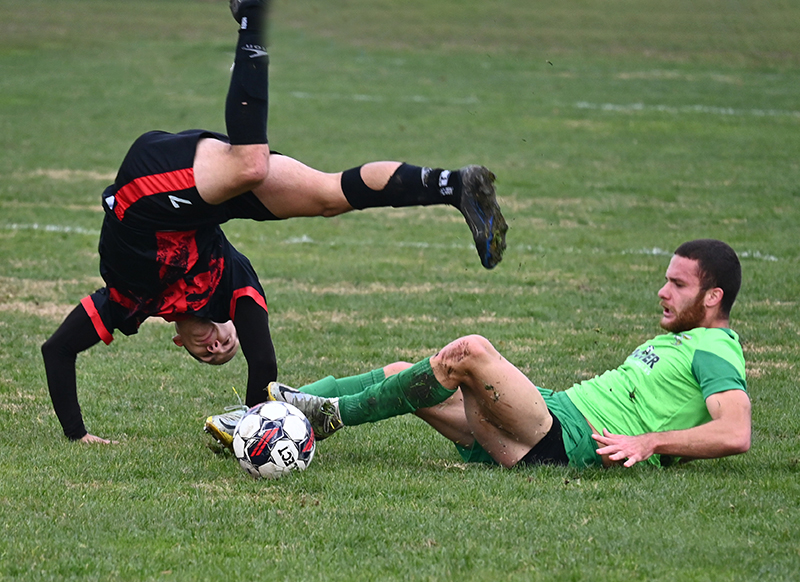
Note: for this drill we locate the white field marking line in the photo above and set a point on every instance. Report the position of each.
(636, 107)
(305, 239)
(51, 228)
(472, 100)
(622, 108)
(654, 251)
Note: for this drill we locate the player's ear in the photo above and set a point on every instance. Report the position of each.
(177, 340)
(714, 297)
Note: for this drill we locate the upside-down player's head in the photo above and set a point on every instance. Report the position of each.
(207, 341)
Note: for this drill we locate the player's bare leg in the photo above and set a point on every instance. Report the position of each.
(223, 171)
(293, 189)
(504, 410)
(450, 420)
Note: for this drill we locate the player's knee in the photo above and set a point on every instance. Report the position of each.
(256, 172)
(466, 352)
(253, 165)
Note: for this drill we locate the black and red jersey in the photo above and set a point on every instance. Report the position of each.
(162, 251)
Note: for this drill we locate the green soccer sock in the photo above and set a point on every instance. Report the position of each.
(330, 387)
(402, 393)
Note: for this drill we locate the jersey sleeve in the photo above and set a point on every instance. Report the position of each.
(716, 374)
(252, 325)
(76, 334)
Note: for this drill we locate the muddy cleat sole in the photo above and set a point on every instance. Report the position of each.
(322, 413)
(221, 426)
(482, 213)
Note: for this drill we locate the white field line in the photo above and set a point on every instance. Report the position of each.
(51, 228)
(637, 107)
(655, 251)
(616, 107)
(305, 239)
(471, 100)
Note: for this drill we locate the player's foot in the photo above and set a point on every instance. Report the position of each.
(480, 209)
(221, 426)
(236, 7)
(322, 413)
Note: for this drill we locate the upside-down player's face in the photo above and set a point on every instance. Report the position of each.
(208, 341)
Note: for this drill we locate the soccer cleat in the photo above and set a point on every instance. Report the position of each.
(221, 426)
(480, 209)
(322, 413)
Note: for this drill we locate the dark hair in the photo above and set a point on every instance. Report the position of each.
(719, 267)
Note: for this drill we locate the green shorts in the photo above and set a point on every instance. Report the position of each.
(575, 430)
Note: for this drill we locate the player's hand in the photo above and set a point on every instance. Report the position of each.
(630, 449)
(91, 439)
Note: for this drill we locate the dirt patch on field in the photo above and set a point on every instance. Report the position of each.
(78, 207)
(56, 311)
(345, 288)
(760, 368)
(68, 175)
(40, 298)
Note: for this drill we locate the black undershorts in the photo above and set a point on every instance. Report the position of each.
(550, 450)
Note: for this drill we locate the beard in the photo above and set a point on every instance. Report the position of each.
(688, 318)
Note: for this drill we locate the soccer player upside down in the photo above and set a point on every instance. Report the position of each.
(163, 253)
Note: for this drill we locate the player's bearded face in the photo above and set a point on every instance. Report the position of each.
(683, 297)
(687, 316)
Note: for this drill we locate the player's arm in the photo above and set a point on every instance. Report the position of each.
(252, 327)
(75, 335)
(728, 433)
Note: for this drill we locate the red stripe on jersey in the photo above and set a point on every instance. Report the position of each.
(248, 292)
(134, 191)
(97, 322)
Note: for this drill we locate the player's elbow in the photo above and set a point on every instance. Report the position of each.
(51, 348)
(739, 442)
(743, 443)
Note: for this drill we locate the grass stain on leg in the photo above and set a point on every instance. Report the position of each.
(495, 393)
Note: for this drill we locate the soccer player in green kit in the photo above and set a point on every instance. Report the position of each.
(682, 394)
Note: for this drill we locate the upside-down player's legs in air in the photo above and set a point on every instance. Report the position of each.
(291, 189)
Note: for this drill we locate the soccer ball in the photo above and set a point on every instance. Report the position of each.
(273, 439)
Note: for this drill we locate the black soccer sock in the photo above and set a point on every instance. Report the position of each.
(246, 106)
(408, 186)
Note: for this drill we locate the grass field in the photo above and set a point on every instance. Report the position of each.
(617, 130)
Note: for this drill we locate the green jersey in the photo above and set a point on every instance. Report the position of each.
(664, 383)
